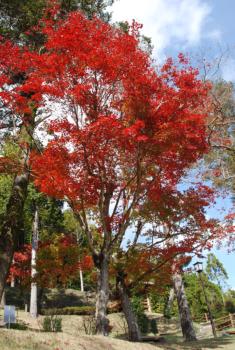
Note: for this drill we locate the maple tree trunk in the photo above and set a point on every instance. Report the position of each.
(102, 322)
(133, 328)
(184, 311)
(10, 227)
(33, 293)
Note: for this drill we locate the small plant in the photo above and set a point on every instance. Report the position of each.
(57, 324)
(52, 323)
(46, 324)
(21, 326)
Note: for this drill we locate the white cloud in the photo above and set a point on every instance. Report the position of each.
(170, 23)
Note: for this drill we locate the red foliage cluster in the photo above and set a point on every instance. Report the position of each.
(124, 114)
(58, 262)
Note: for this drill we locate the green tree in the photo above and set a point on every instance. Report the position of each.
(17, 16)
(215, 270)
(196, 297)
(50, 214)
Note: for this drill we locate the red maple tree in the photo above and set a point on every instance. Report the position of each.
(122, 129)
(126, 129)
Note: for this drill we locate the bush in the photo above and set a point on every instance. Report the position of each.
(52, 324)
(21, 326)
(46, 324)
(70, 310)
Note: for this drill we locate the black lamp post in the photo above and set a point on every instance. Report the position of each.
(199, 269)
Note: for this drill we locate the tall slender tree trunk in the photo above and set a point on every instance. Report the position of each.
(81, 280)
(184, 311)
(133, 328)
(13, 281)
(11, 225)
(33, 295)
(102, 322)
(13, 278)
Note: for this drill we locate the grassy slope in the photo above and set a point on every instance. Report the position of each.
(73, 338)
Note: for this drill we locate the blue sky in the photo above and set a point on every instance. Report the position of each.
(196, 27)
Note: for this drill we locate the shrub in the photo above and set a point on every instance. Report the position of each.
(46, 324)
(52, 323)
(70, 310)
(21, 326)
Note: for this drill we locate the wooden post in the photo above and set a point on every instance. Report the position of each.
(206, 317)
(232, 321)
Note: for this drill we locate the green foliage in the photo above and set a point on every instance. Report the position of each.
(215, 270)
(20, 326)
(230, 301)
(5, 188)
(46, 325)
(70, 222)
(153, 326)
(95, 8)
(52, 323)
(142, 319)
(50, 215)
(159, 303)
(196, 297)
(17, 16)
(71, 310)
(230, 306)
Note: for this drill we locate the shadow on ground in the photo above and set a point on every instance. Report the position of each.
(174, 342)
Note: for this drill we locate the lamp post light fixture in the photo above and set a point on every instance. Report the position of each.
(198, 266)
